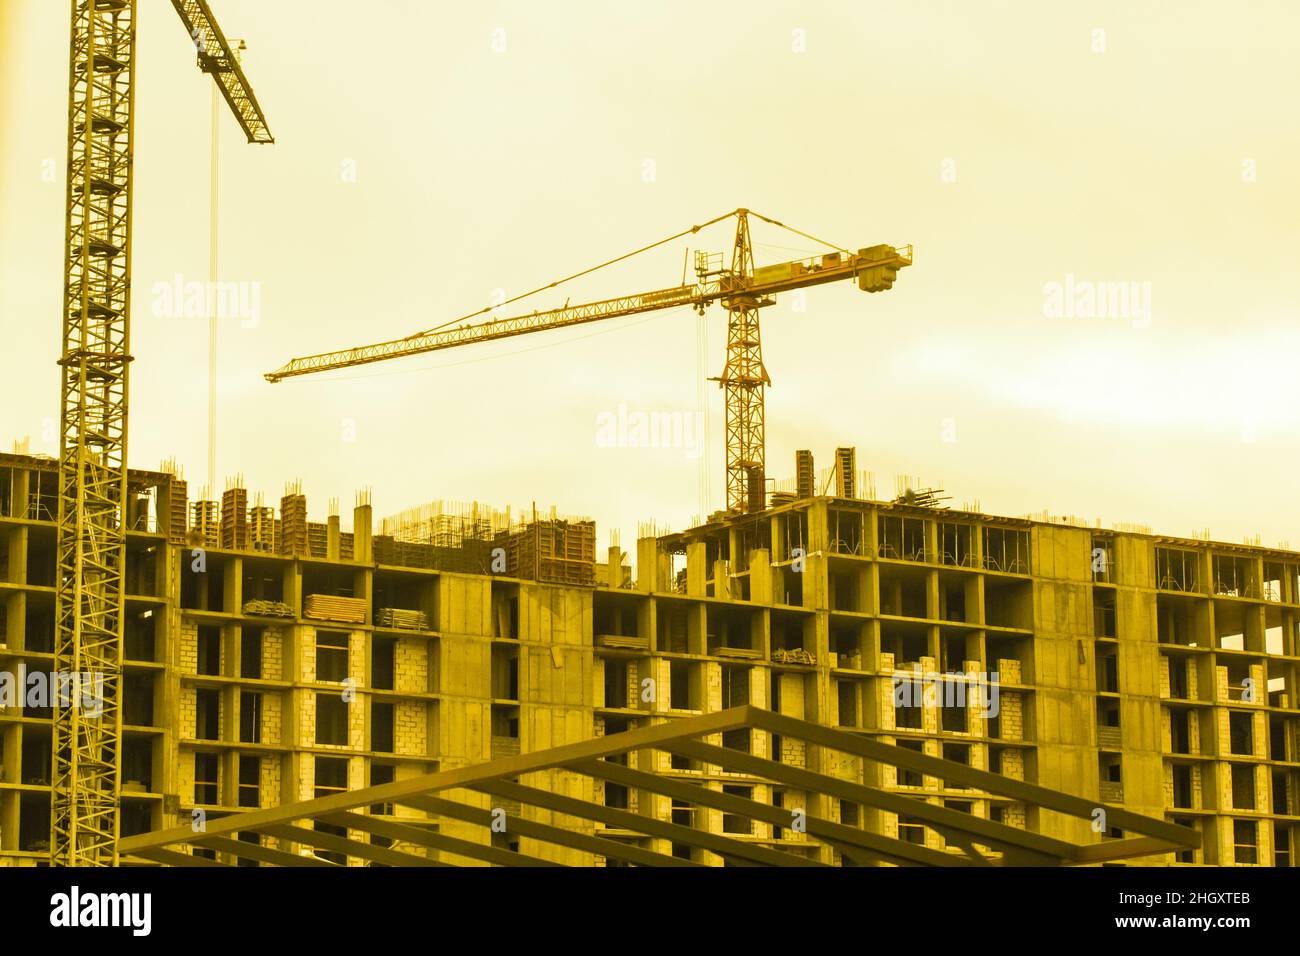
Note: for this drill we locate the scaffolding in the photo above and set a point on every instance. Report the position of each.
(552, 551)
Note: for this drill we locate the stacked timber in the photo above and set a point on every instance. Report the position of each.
(330, 607)
(794, 656)
(259, 608)
(623, 642)
(401, 618)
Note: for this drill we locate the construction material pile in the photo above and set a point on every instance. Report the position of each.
(553, 551)
(441, 536)
(401, 618)
(330, 607)
(267, 609)
(795, 655)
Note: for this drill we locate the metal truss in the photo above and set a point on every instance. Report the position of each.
(86, 738)
(217, 59)
(437, 339)
(743, 381)
(93, 415)
(477, 795)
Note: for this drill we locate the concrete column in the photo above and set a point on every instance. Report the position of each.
(760, 577)
(332, 543)
(696, 571)
(721, 579)
(648, 575)
(363, 588)
(232, 597)
(363, 551)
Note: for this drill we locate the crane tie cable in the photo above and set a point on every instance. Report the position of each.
(629, 255)
(577, 275)
(798, 233)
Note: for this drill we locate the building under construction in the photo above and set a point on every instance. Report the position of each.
(271, 660)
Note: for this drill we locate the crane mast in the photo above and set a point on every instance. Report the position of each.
(95, 362)
(741, 288)
(743, 379)
(93, 415)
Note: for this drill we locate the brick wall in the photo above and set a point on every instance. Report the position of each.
(185, 771)
(1011, 721)
(1013, 764)
(410, 728)
(273, 654)
(187, 651)
(272, 721)
(410, 666)
(306, 719)
(269, 782)
(188, 714)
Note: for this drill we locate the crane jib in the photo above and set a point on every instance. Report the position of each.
(874, 267)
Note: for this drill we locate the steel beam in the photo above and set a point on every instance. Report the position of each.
(777, 816)
(435, 841)
(640, 823)
(255, 851)
(506, 767)
(546, 833)
(1044, 797)
(334, 843)
(997, 835)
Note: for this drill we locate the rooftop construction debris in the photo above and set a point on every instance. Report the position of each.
(472, 538)
(552, 550)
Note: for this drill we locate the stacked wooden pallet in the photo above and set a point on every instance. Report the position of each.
(794, 656)
(403, 618)
(330, 607)
(261, 608)
(623, 642)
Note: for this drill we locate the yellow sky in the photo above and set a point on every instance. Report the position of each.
(498, 146)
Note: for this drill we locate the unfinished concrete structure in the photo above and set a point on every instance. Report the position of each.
(269, 659)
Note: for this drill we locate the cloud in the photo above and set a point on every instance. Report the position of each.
(1243, 380)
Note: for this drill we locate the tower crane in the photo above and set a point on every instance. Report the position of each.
(86, 742)
(741, 289)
